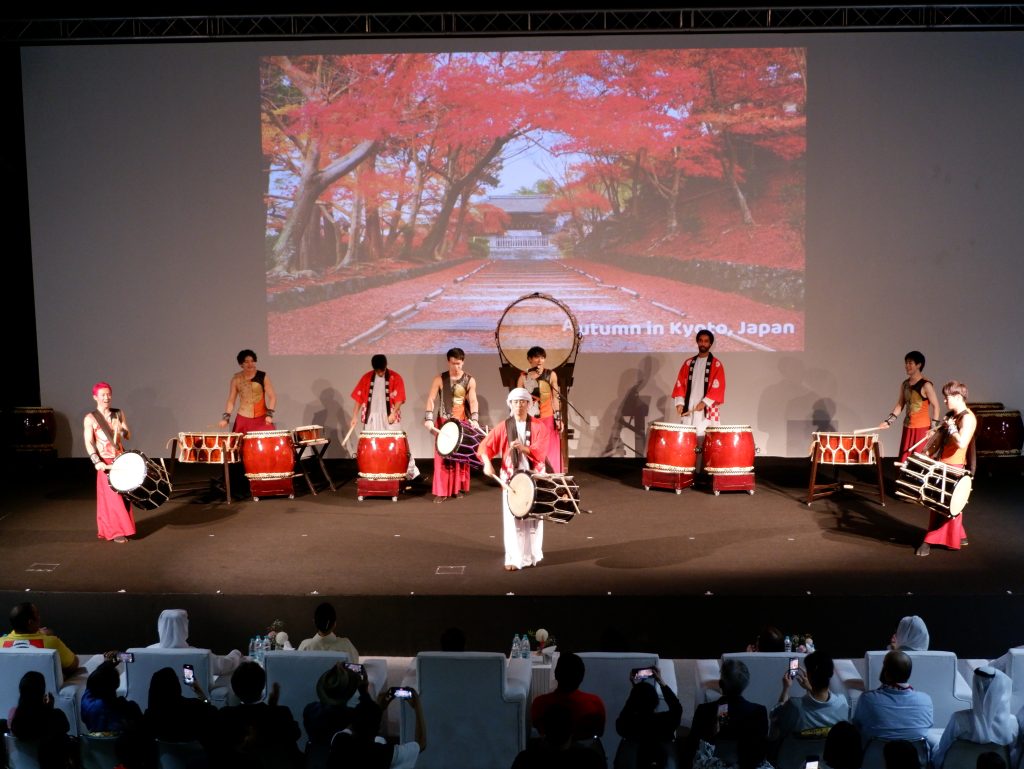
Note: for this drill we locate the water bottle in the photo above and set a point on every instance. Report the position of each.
(252, 648)
(517, 649)
(524, 647)
(263, 651)
(788, 644)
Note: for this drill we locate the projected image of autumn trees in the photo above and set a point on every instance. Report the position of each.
(411, 197)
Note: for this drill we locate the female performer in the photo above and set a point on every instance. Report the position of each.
(952, 445)
(255, 395)
(105, 430)
(542, 384)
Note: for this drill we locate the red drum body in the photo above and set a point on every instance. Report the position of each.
(209, 448)
(269, 460)
(671, 447)
(308, 434)
(1000, 433)
(728, 450)
(845, 448)
(382, 454)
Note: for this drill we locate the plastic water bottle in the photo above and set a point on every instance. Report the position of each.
(517, 649)
(788, 644)
(252, 648)
(524, 646)
(264, 648)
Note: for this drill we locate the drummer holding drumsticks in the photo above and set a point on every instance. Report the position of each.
(917, 396)
(379, 395)
(455, 389)
(521, 443)
(105, 431)
(255, 395)
(700, 388)
(951, 444)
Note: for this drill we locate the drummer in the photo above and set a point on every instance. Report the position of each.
(378, 396)
(524, 537)
(953, 444)
(700, 388)
(542, 384)
(917, 396)
(454, 389)
(105, 431)
(255, 395)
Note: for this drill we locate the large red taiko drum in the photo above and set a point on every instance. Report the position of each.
(728, 449)
(999, 433)
(269, 460)
(382, 454)
(671, 447)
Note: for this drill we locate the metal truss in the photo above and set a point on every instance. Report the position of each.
(512, 23)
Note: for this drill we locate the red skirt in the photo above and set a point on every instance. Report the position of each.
(251, 424)
(911, 435)
(947, 532)
(113, 512)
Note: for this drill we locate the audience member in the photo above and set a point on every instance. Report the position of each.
(326, 619)
(901, 754)
(586, 710)
(171, 716)
(730, 719)
(648, 735)
(988, 721)
(769, 639)
(255, 733)
(359, 747)
(556, 749)
(330, 713)
(27, 631)
(37, 721)
(453, 639)
(819, 709)
(911, 635)
(172, 630)
(894, 711)
(102, 710)
(843, 748)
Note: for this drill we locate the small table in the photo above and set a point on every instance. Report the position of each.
(317, 448)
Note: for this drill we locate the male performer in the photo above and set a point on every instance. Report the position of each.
(700, 388)
(378, 397)
(454, 388)
(917, 395)
(521, 443)
(951, 444)
(542, 384)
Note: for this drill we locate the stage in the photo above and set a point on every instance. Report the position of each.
(686, 575)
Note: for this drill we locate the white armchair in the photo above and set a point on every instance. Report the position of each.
(607, 676)
(474, 705)
(147, 661)
(1011, 663)
(15, 662)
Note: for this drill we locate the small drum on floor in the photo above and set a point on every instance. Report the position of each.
(269, 460)
(382, 454)
(138, 478)
(308, 434)
(936, 485)
(549, 497)
(458, 441)
(671, 447)
(209, 448)
(845, 448)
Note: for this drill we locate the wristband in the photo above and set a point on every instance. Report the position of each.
(890, 419)
(936, 422)
(226, 416)
(475, 416)
(94, 454)
(270, 412)
(428, 417)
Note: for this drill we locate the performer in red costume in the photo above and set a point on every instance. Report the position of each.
(521, 443)
(255, 395)
(917, 395)
(105, 431)
(953, 444)
(542, 384)
(700, 388)
(379, 395)
(454, 389)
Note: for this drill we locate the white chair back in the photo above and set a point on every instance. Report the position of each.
(147, 661)
(935, 674)
(874, 753)
(766, 669)
(964, 755)
(98, 752)
(607, 676)
(471, 710)
(21, 755)
(16, 661)
(179, 755)
(297, 673)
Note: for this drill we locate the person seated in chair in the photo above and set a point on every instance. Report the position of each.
(325, 618)
(172, 630)
(103, 711)
(911, 635)
(587, 710)
(989, 720)
(35, 720)
(894, 711)
(359, 747)
(331, 712)
(27, 632)
(556, 749)
(647, 735)
(729, 719)
(818, 710)
(172, 717)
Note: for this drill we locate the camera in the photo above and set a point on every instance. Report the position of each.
(188, 674)
(401, 692)
(125, 657)
(354, 667)
(641, 674)
(794, 666)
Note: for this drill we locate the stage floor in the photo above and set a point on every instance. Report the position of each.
(637, 547)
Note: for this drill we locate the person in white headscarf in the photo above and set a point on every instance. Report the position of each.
(521, 443)
(911, 635)
(172, 629)
(988, 721)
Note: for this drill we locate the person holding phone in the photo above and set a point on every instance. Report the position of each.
(172, 717)
(360, 746)
(813, 714)
(647, 734)
(102, 709)
(332, 710)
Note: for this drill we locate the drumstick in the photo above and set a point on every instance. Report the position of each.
(344, 441)
(863, 430)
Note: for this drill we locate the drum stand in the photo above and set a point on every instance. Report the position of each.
(317, 448)
(821, 490)
(181, 489)
(731, 482)
(378, 487)
(666, 479)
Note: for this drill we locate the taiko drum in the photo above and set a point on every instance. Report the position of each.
(672, 447)
(728, 449)
(382, 454)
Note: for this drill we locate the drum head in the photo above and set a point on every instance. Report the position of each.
(128, 472)
(537, 320)
(521, 492)
(448, 438)
(961, 493)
